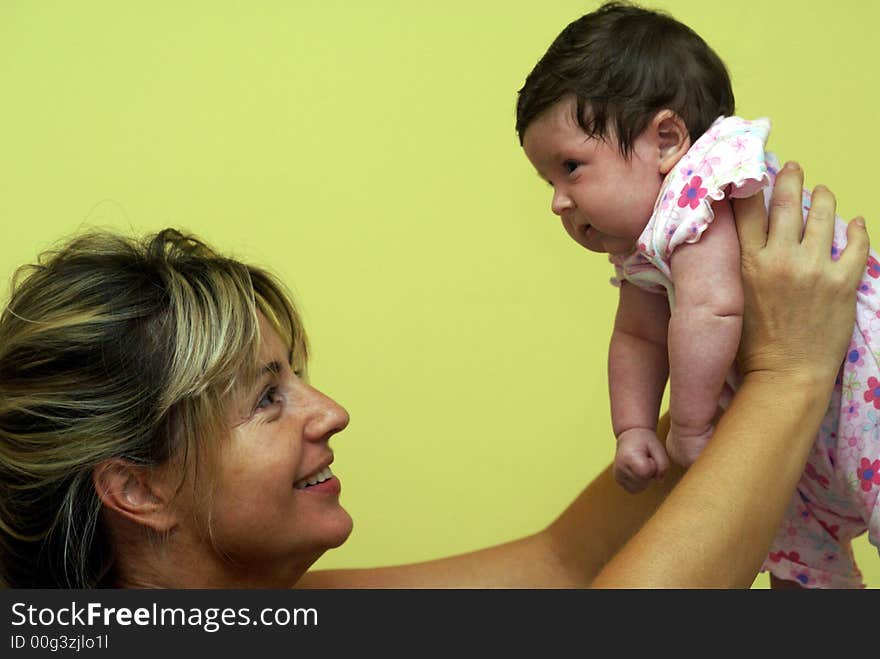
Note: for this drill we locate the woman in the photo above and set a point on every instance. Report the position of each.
(157, 429)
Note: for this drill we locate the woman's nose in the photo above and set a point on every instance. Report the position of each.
(328, 417)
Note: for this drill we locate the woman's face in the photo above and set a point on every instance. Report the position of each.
(275, 506)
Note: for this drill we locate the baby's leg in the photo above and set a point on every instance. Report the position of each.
(783, 584)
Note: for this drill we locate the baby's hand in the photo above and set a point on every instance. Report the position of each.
(685, 444)
(640, 458)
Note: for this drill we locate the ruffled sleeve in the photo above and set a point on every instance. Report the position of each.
(727, 161)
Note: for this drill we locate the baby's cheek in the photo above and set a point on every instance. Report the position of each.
(572, 232)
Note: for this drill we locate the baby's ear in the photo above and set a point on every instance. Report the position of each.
(673, 139)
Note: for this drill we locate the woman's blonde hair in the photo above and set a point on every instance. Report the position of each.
(116, 348)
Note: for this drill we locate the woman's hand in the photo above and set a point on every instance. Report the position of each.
(785, 260)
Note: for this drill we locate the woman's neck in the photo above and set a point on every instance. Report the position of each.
(174, 563)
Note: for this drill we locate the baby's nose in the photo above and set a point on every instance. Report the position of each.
(560, 203)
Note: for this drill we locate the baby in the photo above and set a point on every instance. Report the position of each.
(629, 117)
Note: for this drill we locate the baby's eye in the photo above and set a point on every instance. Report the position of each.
(571, 165)
(269, 397)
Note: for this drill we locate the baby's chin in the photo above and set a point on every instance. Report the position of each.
(618, 246)
(591, 239)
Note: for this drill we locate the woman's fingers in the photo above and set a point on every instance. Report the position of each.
(819, 230)
(751, 222)
(785, 221)
(799, 302)
(855, 255)
(786, 215)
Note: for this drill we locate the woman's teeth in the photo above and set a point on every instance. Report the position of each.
(319, 477)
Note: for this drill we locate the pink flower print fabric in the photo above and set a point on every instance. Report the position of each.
(868, 474)
(727, 161)
(691, 194)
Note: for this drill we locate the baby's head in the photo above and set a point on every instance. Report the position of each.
(613, 104)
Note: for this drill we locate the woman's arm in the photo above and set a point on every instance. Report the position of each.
(716, 526)
(568, 554)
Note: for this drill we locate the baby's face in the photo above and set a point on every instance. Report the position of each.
(603, 199)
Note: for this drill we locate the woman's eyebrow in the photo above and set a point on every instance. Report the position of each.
(273, 367)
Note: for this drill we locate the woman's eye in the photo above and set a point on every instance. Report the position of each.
(269, 397)
(570, 165)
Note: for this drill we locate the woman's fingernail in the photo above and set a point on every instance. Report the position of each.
(791, 166)
(860, 222)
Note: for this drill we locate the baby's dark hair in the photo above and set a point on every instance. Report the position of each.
(623, 64)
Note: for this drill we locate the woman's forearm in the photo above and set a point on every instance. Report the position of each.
(601, 520)
(567, 554)
(714, 530)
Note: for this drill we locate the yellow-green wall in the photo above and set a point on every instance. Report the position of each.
(365, 152)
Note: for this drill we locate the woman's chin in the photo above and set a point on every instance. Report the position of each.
(334, 532)
(344, 531)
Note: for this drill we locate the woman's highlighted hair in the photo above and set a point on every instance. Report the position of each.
(116, 348)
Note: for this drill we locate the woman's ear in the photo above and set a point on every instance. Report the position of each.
(140, 494)
(673, 139)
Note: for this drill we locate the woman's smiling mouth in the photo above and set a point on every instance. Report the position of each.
(313, 479)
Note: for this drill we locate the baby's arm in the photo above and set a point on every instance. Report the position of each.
(638, 366)
(704, 332)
